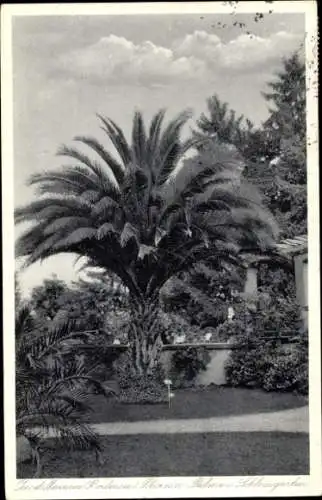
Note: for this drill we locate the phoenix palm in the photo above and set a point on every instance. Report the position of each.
(144, 215)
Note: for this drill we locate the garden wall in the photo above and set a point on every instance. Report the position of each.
(218, 353)
(215, 371)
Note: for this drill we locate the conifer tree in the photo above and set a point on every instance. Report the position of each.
(286, 130)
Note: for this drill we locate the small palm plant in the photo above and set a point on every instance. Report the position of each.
(52, 388)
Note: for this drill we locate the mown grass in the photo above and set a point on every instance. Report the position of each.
(203, 454)
(216, 401)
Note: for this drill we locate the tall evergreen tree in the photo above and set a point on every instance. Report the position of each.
(287, 101)
(286, 129)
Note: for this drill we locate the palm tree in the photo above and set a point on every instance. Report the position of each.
(223, 123)
(145, 215)
(53, 387)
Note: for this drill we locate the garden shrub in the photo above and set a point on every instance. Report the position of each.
(139, 389)
(269, 365)
(262, 358)
(284, 374)
(248, 363)
(187, 363)
(289, 369)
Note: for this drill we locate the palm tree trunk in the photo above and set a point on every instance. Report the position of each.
(144, 336)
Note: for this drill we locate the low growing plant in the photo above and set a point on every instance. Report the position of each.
(139, 389)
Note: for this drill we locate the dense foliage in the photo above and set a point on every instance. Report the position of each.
(145, 215)
(286, 131)
(204, 295)
(92, 303)
(269, 365)
(265, 357)
(159, 225)
(275, 160)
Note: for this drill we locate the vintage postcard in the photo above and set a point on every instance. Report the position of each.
(161, 281)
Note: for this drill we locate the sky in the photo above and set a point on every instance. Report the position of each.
(67, 69)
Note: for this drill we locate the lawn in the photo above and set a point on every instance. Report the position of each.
(216, 401)
(215, 454)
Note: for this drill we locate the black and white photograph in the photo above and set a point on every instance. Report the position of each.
(161, 250)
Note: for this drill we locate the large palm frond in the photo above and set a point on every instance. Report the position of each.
(148, 212)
